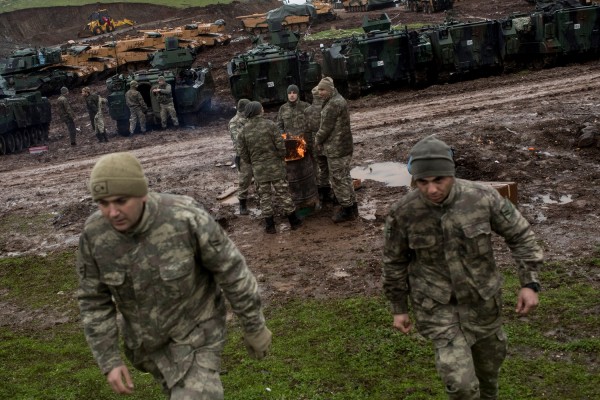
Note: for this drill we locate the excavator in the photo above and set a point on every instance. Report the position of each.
(100, 22)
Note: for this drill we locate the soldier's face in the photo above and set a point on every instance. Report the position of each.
(123, 212)
(435, 188)
(324, 93)
(292, 96)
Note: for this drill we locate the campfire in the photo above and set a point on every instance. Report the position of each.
(295, 147)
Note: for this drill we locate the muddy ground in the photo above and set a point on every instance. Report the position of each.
(522, 127)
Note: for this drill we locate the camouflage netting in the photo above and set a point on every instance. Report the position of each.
(279, 14)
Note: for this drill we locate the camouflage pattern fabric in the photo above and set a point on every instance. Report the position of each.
(91, 103)
(167, 278)
(313, 123)
(65, 112)
(235, 127)
(99, 127)
(441, 256)
(275, 192)
(164, 96)
(341, 181)
(245, 179)
(262, 146)
(291, 118)
(334, 132)
(137, 108)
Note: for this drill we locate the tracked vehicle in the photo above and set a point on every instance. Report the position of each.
(428, 6)
(193, 88)
(366, 5)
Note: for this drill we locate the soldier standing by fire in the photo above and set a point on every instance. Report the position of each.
(244, 169)
(137, 108)
(335, 137)
(67, 115)
(291, 118)
(261, 145)
(313, 123)
(164, 96)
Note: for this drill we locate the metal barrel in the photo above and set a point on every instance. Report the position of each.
(302, 182)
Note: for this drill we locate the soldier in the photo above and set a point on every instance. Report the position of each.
(335, 138)
(164, 95)
(261, 145)
(67, 115)
(137, 108)
(244, 169)
(291, 118)
(164, 264)
(313, 122)
(99, 127)
(91, 103)
(438, 251)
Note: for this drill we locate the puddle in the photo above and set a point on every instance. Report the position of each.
(550, 199)
(391, 173)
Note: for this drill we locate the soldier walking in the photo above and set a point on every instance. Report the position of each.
(67, 115)
(166, 267)
(261, 145)
(335, 137)
(137, 108)
(164, 96)
(244, 169)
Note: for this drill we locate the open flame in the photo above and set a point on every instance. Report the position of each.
(295, 146)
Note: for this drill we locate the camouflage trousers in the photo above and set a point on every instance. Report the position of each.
(168, 110)
(275, 192)
(322, 171)
(198, 384)
(245, 179)
(99, 127)
(341, 181)
(72, 131)
(137, 115)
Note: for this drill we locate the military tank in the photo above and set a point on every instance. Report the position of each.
(264, 72)
(366, 5)
(31, 69)
(193, 88)
(428, 6)
(24, 119)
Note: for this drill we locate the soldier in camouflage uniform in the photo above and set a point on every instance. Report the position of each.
(99, 127)
(91, 103)
(165, 100)
(335, 138)
(166, 266)
(438, 251)
(66, 114)
(261, 145)
(291, 118)
(244, 169)
(137, 108)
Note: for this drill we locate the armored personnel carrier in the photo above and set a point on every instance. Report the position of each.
(193, 88)
(24, 119)
(264, 72)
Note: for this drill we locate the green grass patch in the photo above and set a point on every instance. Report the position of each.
(13, 5)
(332, 34)
(16, 223)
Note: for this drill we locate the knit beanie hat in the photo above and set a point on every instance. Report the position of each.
(118, 174)
(430, 157)
(252, 109)
(326, 84)
(133, 84)
(316, 99)
(241, 105)
(64, 90)
(293, 88)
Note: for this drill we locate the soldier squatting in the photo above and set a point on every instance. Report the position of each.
(164, 263)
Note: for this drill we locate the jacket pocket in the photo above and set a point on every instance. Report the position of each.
(478, 239)
(177, 278)
(423, 247)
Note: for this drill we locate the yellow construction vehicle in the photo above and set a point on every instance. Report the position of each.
(100, 22)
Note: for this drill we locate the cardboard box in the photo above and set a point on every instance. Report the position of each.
(506, 189)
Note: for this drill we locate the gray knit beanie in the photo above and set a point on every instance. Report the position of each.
(293, 88)
(241, 105)
(430, 157)
(118, 174)
(252, 109)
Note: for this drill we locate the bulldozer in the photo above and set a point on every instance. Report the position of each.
(100, 22)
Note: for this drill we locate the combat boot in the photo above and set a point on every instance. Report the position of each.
(355, 209)
(344, 214)
(295, 222)
(105, 137)
(270, 225)
(244, 207)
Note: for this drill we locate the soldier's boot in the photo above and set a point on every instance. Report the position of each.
(325, 195)
(105, 137)
(295, 222)
(355, 209)
(244, 207)
(344, 214)
(270, 225)
(99, 137)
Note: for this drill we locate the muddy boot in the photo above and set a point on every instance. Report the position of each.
(105, 137)
(99, 137)
(344, 214)
(244, 207)
(325, 195)
(270, 225)
(295, 222)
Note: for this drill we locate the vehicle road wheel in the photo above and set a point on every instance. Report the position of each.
(98, 31)
(9, 140)
(25, 138)
(2, 146)
(18, 142)
(110, 28)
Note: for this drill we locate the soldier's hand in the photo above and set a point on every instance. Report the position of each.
(120, 380)
(527, 301)
(258, 343)
(402, 323)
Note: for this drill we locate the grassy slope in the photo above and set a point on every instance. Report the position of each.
(12, 5)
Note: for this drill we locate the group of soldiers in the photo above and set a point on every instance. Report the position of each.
(134, 100)
(260, 152)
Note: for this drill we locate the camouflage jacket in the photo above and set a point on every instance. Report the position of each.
(334, 132)
(165, 94)
(91, 102)
(435, 251)
(65, 112)
(291, 118)
(167, 278)
(312, 114)
(235, 127)
(134, 100)
(261, 145)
